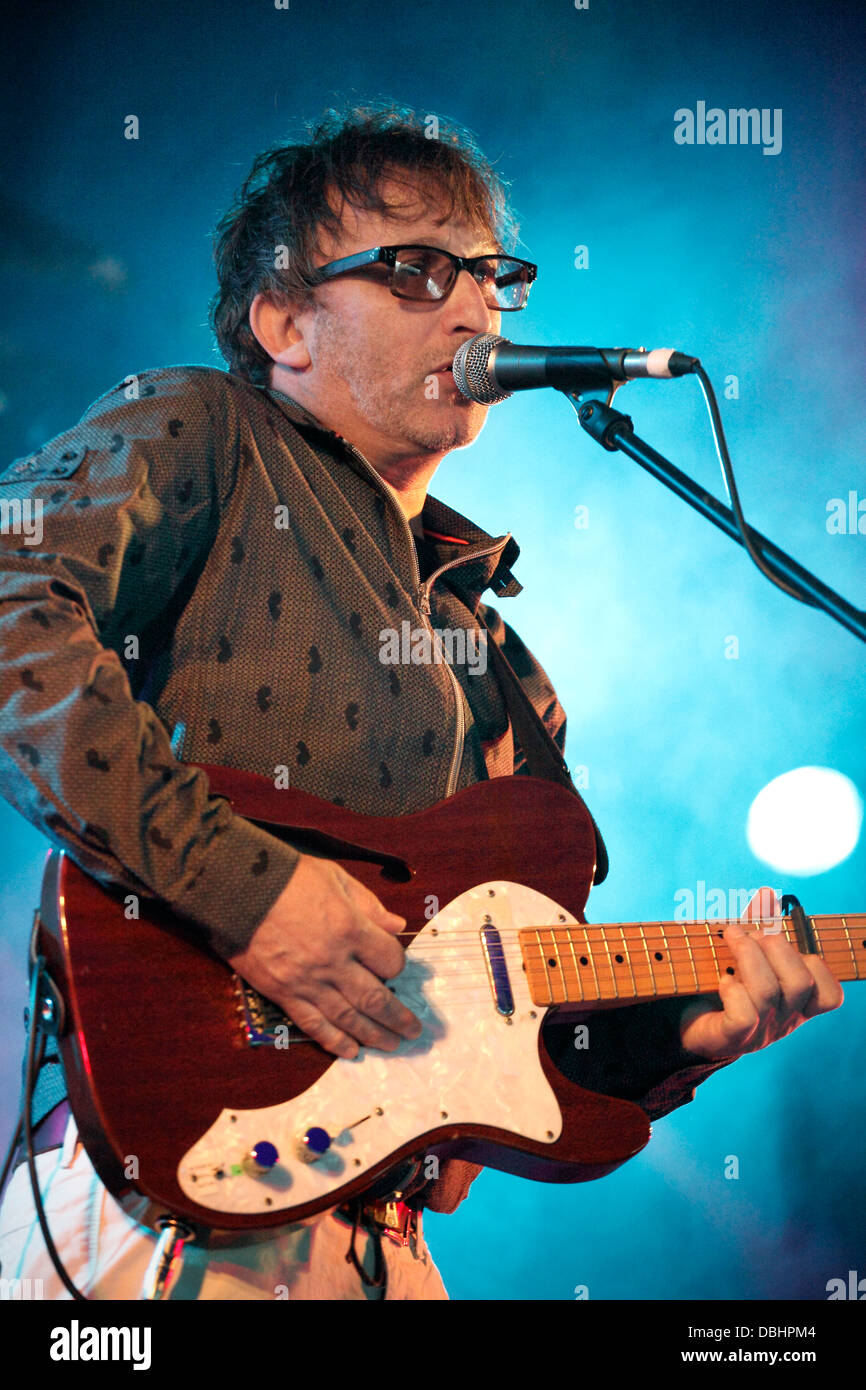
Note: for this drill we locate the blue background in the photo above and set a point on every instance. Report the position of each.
(754, 263)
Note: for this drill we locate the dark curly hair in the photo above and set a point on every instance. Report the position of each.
(296, 191)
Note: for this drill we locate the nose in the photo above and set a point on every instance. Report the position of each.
(465, 311)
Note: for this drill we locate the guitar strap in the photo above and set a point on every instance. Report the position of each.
(540, 749)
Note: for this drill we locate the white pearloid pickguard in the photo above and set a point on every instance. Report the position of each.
(470, 1064)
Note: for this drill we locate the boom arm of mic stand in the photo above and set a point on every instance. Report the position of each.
(615, 431)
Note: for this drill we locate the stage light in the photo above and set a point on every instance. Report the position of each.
(805, 821)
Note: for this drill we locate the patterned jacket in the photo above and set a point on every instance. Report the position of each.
(214, 573)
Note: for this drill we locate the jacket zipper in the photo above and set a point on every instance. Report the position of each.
(424, 606)
(422, 600)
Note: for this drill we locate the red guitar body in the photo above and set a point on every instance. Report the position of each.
(153, 1047)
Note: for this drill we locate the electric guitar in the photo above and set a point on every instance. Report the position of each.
(191, 1089)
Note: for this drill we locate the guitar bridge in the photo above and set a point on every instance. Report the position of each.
(263, 1022)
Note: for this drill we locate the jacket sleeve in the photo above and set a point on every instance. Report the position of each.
(122, 509)
(634, 1053)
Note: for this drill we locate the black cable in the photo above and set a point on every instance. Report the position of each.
(733, 495)
(379, 1278)
(13, 1149)
(31, 1070)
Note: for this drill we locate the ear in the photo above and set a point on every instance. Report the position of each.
(276, 328)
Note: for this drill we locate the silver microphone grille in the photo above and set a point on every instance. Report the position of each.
(470, 369)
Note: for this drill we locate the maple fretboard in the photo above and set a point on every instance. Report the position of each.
(635, 961)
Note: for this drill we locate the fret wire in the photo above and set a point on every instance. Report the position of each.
(648, 956)
(606, 945)
(691, 957)
(591, 957)
(569, 992)
(627, 955)
(713, 961)
(540, 944)
(559, 963)
(712, 941)
(576, 965)
(674, 981)
(667, 956)
(850, 946)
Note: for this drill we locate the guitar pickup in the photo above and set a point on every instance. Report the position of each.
(497, 970)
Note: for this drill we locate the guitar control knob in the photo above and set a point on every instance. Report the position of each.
(260, 1159)
(313, 1144)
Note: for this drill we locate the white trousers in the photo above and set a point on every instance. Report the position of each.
(106, 1249)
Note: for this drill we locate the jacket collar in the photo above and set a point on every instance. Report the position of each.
(485, 560)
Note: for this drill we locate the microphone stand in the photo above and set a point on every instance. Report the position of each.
(615, 431)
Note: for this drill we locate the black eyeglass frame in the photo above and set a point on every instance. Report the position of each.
(387, 255)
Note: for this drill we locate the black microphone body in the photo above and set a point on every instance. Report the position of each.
(488, 368)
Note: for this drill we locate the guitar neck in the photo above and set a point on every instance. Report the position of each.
(631, 962)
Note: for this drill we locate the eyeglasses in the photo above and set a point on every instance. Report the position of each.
(428, 272)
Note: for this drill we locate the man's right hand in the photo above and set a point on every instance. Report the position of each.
(322, 952)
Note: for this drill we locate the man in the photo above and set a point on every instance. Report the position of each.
(221, 556)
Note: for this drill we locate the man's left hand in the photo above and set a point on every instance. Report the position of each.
(774, 991)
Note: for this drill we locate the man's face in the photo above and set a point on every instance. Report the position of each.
(379, 366)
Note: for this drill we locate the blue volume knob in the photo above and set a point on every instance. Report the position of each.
(314, 1143)
(261, 1157)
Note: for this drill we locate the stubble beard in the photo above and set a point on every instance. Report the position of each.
(434, 426)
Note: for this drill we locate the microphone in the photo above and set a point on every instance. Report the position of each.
(488, 368)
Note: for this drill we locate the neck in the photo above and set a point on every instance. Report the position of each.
(410, 494)
(630, 962)
(408, 474)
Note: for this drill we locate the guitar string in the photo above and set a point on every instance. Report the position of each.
(456, 950)
(833, 923)
(677, 930)
(637, 937)
(632, 980)
(637, 929)
(639, 972)
(624, 974)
